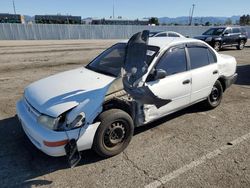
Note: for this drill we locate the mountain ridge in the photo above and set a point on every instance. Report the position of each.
(184, 20)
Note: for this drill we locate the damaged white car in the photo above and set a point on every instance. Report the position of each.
(129, 85)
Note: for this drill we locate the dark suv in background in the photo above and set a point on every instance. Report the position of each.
(219, 37)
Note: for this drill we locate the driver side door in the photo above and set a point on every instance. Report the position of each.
(175, 87)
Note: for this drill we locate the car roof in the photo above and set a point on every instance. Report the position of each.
(163, 42)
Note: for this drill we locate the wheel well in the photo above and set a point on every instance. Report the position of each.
(223, 83)
(244, 39)
(214, 41)
(118, 104)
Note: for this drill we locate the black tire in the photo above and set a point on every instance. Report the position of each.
(241, 45)
(114, 133)
(217, 46)
(215, 97)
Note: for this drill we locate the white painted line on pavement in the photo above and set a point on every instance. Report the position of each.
(163, 180)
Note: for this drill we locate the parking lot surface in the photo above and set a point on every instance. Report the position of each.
(190, 148)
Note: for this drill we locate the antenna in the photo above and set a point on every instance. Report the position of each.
(14, 6)
(191, 17)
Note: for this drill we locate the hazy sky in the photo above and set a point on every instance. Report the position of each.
(128, 8)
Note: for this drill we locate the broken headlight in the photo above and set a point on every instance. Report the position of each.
(77, 122)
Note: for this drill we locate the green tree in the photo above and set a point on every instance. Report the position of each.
(245, 20)
(154, 21)
(208, 24)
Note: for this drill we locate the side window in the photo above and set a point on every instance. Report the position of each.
(243, 30)
(198, 56)
(228, 31)
(211, 56)
(173, 35)
(161, 35)
(236, 30)
(173, 61)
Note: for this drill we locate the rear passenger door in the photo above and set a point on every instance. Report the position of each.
(204, 70)
(235, 35)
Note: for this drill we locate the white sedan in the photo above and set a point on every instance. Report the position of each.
(130, 84)
(165, 34)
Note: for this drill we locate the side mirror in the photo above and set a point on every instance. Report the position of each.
(225, 34)
(160, 74)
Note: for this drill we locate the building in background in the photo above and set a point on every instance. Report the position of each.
(119, 21)
(57, 19)
(11, 18)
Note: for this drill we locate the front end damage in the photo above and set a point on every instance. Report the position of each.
(77, 126)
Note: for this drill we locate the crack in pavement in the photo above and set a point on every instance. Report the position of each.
(125, 156)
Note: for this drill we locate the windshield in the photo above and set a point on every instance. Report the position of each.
(111, 60)
(214, 31)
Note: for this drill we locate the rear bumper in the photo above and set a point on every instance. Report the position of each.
(230, 80)
(38, 134)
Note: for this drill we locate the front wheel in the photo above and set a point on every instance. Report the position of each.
(217, 46)
(241, 45)
(215, 97)
(114, 133)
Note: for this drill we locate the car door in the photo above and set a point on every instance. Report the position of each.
(226, 37)
(235, 35)
(204, 70)
(175, 87)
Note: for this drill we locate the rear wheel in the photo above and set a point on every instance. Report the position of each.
(217, 46)
(241, 45)
(215, 97)
(114, 133)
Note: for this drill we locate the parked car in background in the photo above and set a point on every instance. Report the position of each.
(93, 106)
(219, 37)
(165, 34)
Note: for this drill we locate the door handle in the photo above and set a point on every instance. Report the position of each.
(215, 72)
(186, 82)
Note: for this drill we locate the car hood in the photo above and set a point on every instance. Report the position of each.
(59, 93)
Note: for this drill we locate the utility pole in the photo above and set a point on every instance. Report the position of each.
(14, 6)
(191, 17)
(113, 9)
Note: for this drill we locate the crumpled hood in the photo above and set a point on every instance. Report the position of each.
(61, 92)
